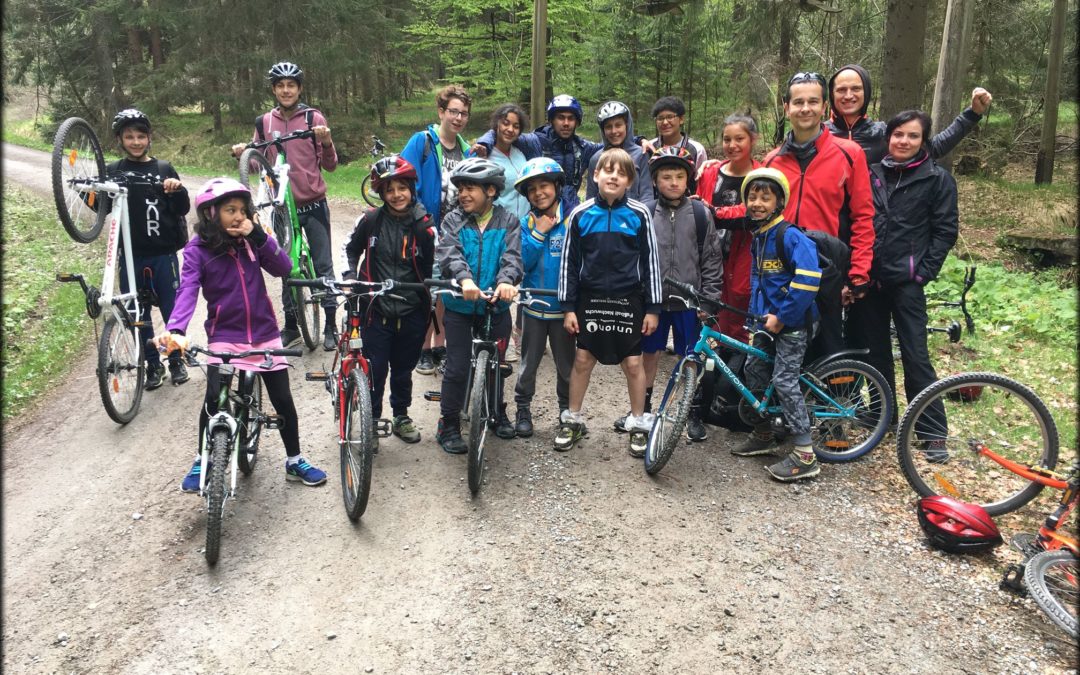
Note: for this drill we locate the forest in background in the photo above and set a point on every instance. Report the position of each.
(363, 57)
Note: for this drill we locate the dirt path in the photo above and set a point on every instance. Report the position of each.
(573, 562)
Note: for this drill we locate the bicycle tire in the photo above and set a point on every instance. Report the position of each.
(357, 447)
(77, 155)
(478, 421)
(370, 196)
(257, 174)
(250, 421)
(948, 414)
(306, 308)
(215, 500)
(853, 384)
(121, 371)
(1051, 578)
(670, 419)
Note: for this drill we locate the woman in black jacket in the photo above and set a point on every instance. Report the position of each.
(916, 221)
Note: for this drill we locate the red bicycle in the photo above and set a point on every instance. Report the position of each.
(349, 384)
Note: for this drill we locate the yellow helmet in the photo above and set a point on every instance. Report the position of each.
(770, 174)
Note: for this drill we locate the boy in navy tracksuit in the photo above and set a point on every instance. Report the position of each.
(785, 297)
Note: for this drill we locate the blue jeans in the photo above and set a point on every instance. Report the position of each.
(160, 274)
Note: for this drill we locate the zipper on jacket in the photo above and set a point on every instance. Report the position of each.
(213, 324)
(243, 290)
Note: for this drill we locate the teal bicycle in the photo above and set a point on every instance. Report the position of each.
(849, 402)
(273, 200)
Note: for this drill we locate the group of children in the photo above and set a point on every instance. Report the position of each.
(607, 258)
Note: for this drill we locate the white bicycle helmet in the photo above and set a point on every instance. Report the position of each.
(610, 110)
(479, 170)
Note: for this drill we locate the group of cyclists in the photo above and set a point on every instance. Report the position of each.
(505, 212)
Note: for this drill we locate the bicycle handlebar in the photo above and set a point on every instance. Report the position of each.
(699, 298)
(259, 145)
(228, 356)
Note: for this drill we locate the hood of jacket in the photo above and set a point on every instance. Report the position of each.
(868, 92)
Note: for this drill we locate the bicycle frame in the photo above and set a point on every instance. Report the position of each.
(224, 418)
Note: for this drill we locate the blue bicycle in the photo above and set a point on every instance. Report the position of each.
(849, 403)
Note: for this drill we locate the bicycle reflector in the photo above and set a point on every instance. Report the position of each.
(966, 394)
(957, 527)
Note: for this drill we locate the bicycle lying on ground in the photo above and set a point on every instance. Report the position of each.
(349, 384)
(81, 189)
(232, 435)
(377, 152)
(273, 198)
(483, 396)
(848, 402)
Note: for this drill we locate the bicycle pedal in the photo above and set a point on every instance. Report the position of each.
(1013, 580)
(273, 421)
(316, 376)
(506, 370)
(382, 428)
(63, 278)
(432, 395)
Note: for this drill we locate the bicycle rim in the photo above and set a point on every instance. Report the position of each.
(478, 421)
(861, 390)
(216, 490)
(307, 312)
(250, 420)
(120, 371)
(370, 196)
(943, 425)
(77, 157)
(1053, 581)
(357, 447)
(670, 417)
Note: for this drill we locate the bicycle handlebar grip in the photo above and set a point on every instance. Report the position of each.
(409, 286)
(310, 283)
(441, 283)
(538, 291)
(685, 288)
(287, 352)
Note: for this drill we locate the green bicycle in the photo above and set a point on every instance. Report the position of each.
(273, 200)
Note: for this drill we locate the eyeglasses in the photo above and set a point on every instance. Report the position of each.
(808, 76)
(666, 119)
(463, 114)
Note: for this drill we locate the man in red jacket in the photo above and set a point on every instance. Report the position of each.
(830, 192)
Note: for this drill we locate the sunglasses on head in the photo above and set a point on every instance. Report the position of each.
(808, 76)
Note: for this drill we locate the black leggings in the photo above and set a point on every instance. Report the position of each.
(276, 384)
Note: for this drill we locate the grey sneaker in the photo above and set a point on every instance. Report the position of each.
(695, 429)
(155, 375)
(569, 434)
(754, 446)
(404, 429)
(793, 468)
(639, 440)
(426, 366)
(620, 424)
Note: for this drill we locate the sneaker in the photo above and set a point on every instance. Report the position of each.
(404, 429)
(329, 339)
(304, 472)
(569, 434)
(178, 373)
(503, 428)
(620, 424)
(936, 452)
(426, 366)
(191, 480)
(754, 446)
(155, 376)
(289, 337)
(438, 355)
(639, 440)
(449, 437)
(695, 429)
(793, 468)
(524, 426)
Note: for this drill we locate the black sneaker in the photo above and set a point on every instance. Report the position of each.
(936, 452)
(329, 339)
(793, 468)
(438, 355)
(155, 376)
(449, 437)
(754, 446)
(290, 337)
(503, 428)
(178, 373)
(524, 425)
(426, 366)
(695, 429)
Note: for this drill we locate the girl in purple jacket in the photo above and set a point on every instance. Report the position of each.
(226, 260)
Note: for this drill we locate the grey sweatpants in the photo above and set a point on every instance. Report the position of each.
(536, 334)
(788, 349)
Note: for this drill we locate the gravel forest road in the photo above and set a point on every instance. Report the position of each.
(575, 562)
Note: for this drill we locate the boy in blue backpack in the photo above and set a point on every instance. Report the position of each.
(786, 300)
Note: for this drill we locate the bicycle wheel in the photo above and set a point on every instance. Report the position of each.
(216, 490)
(257, 174)
(943, 426)
(306, 307)
(859, 388)
(370, 196)
(77, 158)
(357, 447)
(478, 420)
(250, 421)
(1053, 581)
(671, 417)
(121, 371)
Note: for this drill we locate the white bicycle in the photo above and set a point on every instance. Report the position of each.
(80, 186)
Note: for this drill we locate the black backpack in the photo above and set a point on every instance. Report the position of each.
(834, 259)
(719, 398)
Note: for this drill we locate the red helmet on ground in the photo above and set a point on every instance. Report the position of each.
(391, 166)
(957, 527)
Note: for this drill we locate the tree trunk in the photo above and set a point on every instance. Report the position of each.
(103, 58)
(134, 46)
(905, 35)
(952, 64)
(784, 75)
(1044, 163)
(539, 61)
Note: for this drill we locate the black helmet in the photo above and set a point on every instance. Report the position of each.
(479, 170)
(127, 117)
(285, 70)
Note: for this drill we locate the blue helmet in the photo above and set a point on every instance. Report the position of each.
(564, 102)
(539, 167)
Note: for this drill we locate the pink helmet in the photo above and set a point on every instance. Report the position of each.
(216, 189)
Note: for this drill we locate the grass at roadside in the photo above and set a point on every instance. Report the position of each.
(44, 322)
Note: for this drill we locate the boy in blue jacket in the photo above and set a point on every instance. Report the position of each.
(543, 231)
(786, 300)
